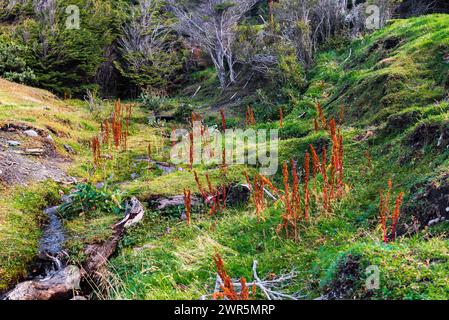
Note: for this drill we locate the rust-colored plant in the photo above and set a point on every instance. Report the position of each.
(250, 120)
(96, 150)
(200, 187)
(332, 174)
(215, 198)
(384, 213)
(321, 115)
(306, 186)
(396, 212)
(117, 124)
(223, 119)
(259, 196)
(258, 191)
(188, 204)
(288, 218)
(227, 288)
(191, 149)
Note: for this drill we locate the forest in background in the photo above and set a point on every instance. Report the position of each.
(123, 48)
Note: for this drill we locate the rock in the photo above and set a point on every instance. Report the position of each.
(50, 138)
(13, 143)
(31, 133)
(161, 204)
(134, 176)
(100, 185)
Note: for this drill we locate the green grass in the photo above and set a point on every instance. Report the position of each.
(21, 212)
(394, 82)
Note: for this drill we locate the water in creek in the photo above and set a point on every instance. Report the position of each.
(53, 237)
(51, 255)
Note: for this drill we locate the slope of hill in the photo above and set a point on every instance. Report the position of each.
(388, 95)
(393, 85)
(40, 136)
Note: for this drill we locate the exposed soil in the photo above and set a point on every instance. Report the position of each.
(345, 281)
(429, 205)
(25, 158)
(433, 134)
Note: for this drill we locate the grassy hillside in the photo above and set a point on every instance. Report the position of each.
(393, 85)
(388, 93)
(23, 196)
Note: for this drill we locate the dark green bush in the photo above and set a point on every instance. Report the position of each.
(13, 66)
(88, 199)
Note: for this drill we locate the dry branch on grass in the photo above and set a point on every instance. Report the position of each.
(272, 288)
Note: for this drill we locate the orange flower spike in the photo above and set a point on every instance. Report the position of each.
(383, 218)
(191, 150)
(315, 161)
(223, 119)
(270, 184)
(187, 204)
(396, 213)
(321, 115)
(306, 186)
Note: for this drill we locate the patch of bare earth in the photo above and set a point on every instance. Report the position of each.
(27, 155)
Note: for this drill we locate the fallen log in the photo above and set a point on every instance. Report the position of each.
(64, 283)
(59, 286)
(98, 254)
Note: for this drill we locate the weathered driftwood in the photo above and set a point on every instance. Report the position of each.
(164, 203)
(60, 285)
(99, 254)
(64, 283)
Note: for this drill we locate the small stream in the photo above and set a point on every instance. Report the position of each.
(51, 256)
(53, 236)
